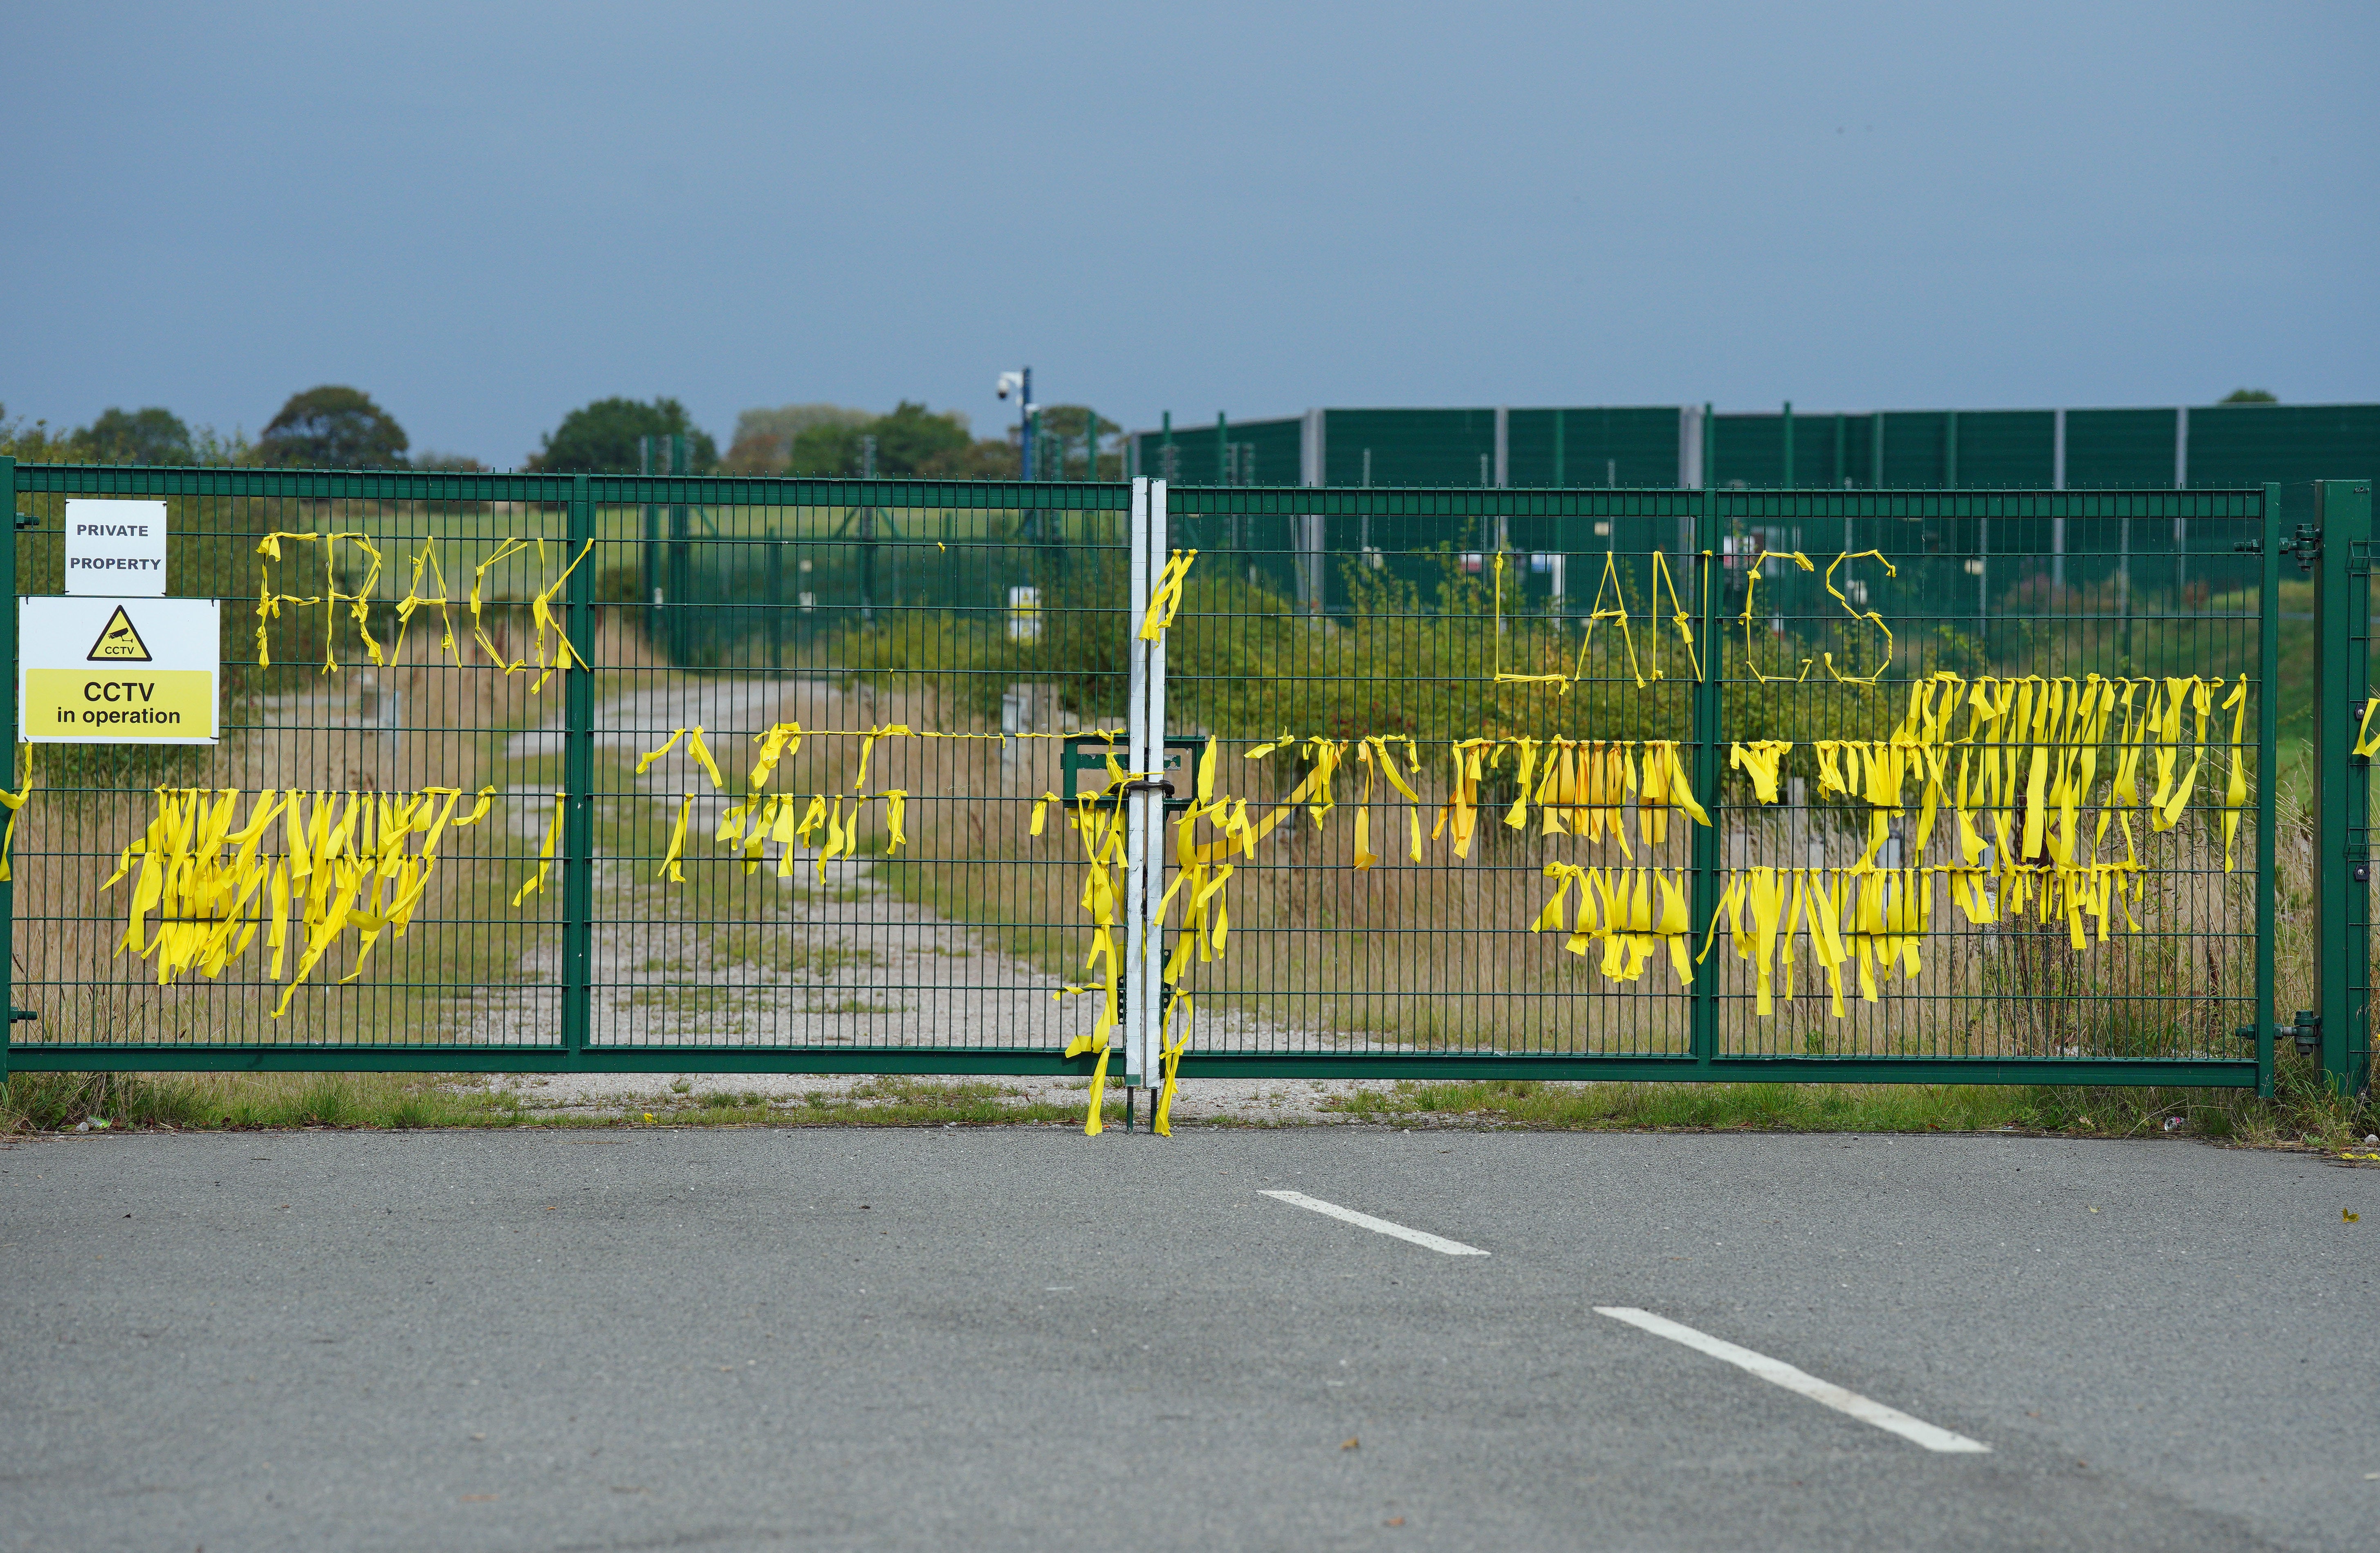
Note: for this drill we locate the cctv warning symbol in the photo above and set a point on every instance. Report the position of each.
(119, 643)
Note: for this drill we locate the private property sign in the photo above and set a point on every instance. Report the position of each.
(116, 548)
(119, 670)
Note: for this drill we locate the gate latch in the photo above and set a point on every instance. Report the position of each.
(2306, 546)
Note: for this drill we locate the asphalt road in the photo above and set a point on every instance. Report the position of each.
(1019, 1338)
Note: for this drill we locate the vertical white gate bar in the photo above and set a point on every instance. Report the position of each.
(1145, 565)
(1148, 926)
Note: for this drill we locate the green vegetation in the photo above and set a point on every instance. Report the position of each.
(226, 1101)
(829, 442)
(601, 438)
(155, 435)
(332, 427)
(2302, 1113)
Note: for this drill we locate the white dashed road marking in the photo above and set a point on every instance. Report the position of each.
(1779, 1373)
(1365, 1220)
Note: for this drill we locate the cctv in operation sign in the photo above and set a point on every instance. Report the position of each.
(119, 670)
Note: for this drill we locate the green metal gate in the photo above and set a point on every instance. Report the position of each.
(1495, 619)
(2337, 546)
(901, 882)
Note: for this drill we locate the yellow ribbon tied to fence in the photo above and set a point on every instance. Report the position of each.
(1760, 761)
(536, 882)
(268, 603)
(1632, 912)
(1166, 597)
(14, 804)
(549, 656)
(1098, 823)
(213, 887)
(1170, 1050)
(699, 754)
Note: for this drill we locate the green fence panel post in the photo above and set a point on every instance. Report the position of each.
(9, 713)
(2342, 781)
(578, 780)
(1702, 906)
(2268, 673)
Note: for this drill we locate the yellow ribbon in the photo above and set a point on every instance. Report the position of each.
(14, 804)
(1170, 1051)
(1751, 587)
(369, 872)
(1759, 760)
(1166, 597)
(1869, 616)
(536, 882)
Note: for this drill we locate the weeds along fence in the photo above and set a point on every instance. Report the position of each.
(781, 775)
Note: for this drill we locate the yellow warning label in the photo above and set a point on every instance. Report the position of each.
(119, 643)
(106, 704)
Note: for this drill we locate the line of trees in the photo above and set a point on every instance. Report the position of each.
(821, 441)
(333, 426)
(328, 427)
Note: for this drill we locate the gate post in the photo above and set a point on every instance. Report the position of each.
(577, 777)
(2342, 779)
(1144, 798)
(2268, 695)
(1703, 877)
(8, 715)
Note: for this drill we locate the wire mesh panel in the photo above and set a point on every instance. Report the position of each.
(339, 872)
(1733, 783)
(1427, 701)
(681, 773)
(882, 676)
(2002, 753)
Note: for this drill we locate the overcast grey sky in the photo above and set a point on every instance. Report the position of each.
(485, 214)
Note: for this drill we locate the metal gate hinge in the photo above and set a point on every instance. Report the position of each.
(27, 520)
(2306, 546)
(2306, 1031)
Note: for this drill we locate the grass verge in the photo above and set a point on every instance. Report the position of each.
(63, 1101)
(2304, 1114)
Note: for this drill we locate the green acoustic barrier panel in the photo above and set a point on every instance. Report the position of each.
(2118, 449)
(1409, 447)
(1632, 447)
(2247, 445)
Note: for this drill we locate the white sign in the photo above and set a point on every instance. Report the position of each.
(116, 548)
(119, 670)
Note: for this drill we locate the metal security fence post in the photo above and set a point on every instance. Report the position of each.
(1143, 812)
(1134, 801)
(2342, 790)
(1703, 1034)
(2268, 670)
(8, 713)
(577, 781)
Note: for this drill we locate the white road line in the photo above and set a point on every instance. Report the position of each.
(1365, 1220)
(1780, 1373)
